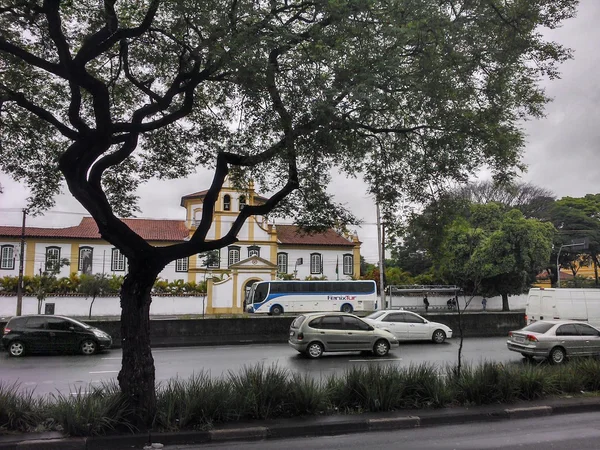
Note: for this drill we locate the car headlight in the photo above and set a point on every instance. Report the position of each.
(100, 334)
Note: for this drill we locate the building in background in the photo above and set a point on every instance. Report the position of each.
(264, 251)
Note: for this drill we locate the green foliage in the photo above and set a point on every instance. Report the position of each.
(103, 410)
(93, 285)
(19, 410)
(268, 392)
(578, 218)
(316, 278)
(491, 252)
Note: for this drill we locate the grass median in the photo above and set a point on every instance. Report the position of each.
(267, 392)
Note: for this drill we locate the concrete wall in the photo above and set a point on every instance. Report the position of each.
(103, 306)
(439, 302)
(165, 333)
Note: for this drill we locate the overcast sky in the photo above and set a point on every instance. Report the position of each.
(561, 152)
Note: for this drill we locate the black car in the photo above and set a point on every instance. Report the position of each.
(50, 334)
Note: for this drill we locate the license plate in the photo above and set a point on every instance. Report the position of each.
(519, 339)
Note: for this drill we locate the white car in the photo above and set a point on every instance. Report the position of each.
(408, 326)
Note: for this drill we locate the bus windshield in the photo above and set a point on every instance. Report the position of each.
(259, 292)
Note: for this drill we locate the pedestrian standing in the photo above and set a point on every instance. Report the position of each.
(484, 303)
(426, 302)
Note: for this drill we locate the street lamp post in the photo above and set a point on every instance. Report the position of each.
(557, 266)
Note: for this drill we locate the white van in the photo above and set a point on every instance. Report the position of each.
(572, 304)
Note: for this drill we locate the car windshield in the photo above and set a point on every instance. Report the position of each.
(538, 327)
(81, 324)
(375, 315)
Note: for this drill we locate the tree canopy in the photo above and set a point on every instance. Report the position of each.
(107, 95)
(492, 252)
(577, 219)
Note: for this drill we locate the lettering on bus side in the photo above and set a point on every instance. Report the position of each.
(341, 297)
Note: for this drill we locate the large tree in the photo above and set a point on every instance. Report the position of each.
(107, 95)
(492, 252)
(577, 219)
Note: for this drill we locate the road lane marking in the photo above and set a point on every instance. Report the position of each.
(113, 358)
(106, 371)
(375, 360)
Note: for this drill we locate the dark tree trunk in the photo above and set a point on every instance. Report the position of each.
(505, 302)
(137, 374)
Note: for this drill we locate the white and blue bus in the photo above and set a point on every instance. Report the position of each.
(277, 297)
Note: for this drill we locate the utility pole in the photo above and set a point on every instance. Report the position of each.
(381, 247)
(21, 257)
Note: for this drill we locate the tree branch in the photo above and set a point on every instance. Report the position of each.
(20, 99)
(30, 58)
(107, 36)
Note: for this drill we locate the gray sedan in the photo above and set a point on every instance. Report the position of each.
(555, 340)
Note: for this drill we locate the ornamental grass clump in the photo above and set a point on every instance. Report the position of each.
(306, 396)
(195, 403)
(484, 384)
(102, 410)
(260, 392)
(19, 411)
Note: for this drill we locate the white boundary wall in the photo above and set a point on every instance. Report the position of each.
(103, 306)
(437, 302)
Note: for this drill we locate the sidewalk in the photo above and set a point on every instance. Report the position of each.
(310, 426)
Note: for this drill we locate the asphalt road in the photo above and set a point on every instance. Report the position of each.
(573, 432)
(68, 374)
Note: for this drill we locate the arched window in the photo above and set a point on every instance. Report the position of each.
(242, 201)
(234, 255)
(7, 254)
(316, 263)
(52, 259)
(85, 259)
(348, 264)
(282, 262)
(226, 202)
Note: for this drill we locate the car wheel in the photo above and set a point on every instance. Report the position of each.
(438, 336)
(16, 349)
(314, 350)
(347, 308)
(88, 347)
(381, 348)
(557, 355)
(276, 310)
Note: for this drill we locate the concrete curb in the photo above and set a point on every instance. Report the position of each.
(314, 426)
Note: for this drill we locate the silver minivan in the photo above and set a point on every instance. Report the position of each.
(313, 334)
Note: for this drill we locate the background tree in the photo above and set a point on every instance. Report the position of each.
(491, 252)
(45, 283)
(107, 95)
(577, 219)
(93, 286)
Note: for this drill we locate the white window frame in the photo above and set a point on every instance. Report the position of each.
(7, 261)
(348, 264)
(83, 249)
(253, 250)
(282, 262)
(182, 264)
(52, 257)
(233, 255)
(316, 263)
(117, 261)
(227, 202)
